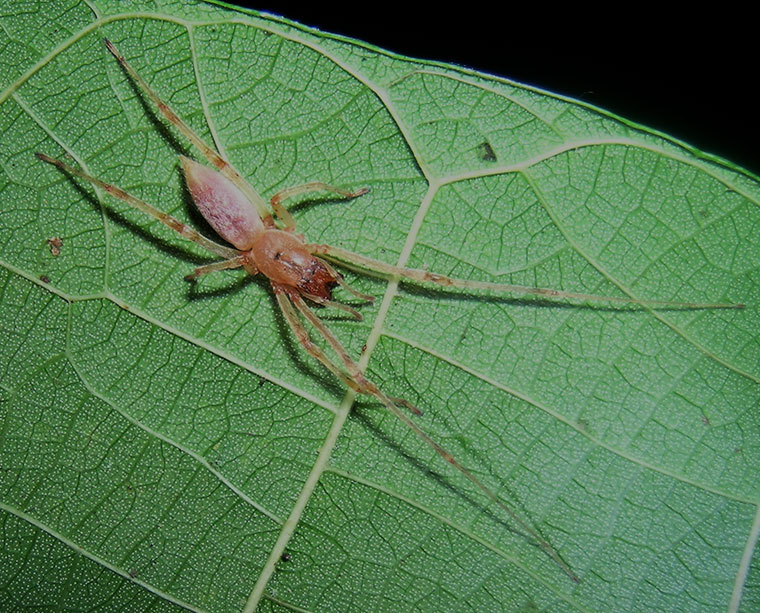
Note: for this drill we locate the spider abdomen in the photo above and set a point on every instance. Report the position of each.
(222, 204)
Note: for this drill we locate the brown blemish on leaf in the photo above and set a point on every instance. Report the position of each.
(55, 245)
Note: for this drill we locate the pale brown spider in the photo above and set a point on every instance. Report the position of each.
(296, 273)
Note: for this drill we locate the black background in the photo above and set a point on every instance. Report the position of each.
(690, 76)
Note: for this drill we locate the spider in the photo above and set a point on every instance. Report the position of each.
(267, 243)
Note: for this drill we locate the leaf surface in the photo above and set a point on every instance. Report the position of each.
(166, 445)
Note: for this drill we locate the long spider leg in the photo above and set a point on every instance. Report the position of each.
(211, 154)
(403, 402)
(342, 256)
(372, 389)
(284, 215)
(313, 349)
(283, 299)
(303, 337)
(352, 367)
(235, 262)
(166, 219)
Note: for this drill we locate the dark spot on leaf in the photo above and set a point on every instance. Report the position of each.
(44, 278)
(285, 557)
(486, 152)
(55, 245)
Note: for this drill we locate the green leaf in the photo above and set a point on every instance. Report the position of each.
(166, 446)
